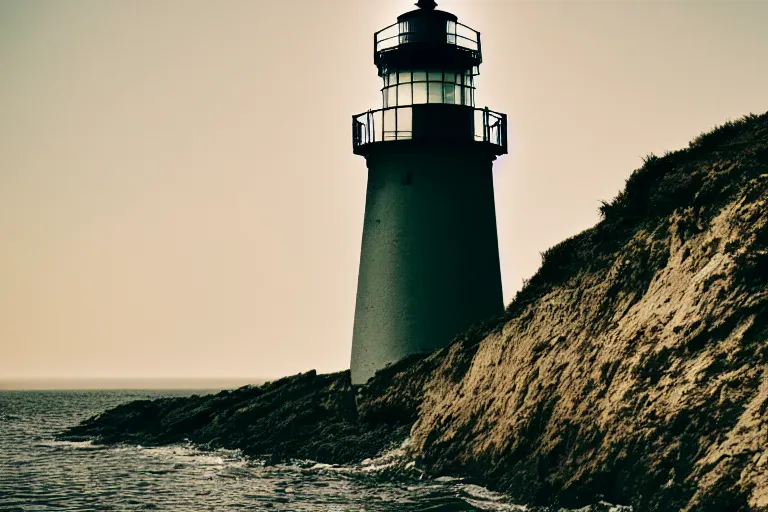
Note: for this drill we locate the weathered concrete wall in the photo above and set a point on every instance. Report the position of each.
(429, 265)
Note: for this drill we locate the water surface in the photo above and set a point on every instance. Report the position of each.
(38, 473)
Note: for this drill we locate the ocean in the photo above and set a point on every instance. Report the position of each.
(39, 473)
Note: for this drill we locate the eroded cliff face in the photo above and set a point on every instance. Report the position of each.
(635, 365)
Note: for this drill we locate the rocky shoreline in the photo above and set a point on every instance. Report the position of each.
(633, 367)
(305, 416)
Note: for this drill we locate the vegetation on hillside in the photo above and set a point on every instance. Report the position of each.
(652, 192)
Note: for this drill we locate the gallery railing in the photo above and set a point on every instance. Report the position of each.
(396, 123)
(455, 33)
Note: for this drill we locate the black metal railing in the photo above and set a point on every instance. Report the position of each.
(389, 38)
(396, 123)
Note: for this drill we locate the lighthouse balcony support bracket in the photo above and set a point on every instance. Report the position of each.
(430, 123)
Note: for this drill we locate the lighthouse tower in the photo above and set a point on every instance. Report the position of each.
(429, 264)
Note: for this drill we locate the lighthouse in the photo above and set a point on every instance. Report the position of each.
(429, 262)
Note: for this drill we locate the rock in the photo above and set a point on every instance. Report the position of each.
(306, 416)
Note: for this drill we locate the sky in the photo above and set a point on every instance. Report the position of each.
(178, 193)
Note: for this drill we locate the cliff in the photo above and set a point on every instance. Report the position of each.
(633, 364)
(630, 368)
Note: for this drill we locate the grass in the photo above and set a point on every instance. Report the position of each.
(703, 176)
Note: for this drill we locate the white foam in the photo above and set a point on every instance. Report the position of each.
(588, 508)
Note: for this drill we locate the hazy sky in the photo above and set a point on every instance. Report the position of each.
(178, 194)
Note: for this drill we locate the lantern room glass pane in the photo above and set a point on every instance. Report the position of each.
(435, 92)
(419, 92)
(468, 96)
(392, 79)
(436, 75)
(449, 94)
(389, 96)
(419, 76)
(405, 77)
(404, 94)
(389, 127)
(404, 123)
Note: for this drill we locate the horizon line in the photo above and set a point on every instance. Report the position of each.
(127, 383)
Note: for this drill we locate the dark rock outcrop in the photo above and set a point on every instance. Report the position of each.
(306, 416)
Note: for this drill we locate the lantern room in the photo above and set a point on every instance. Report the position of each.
(428, 62)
